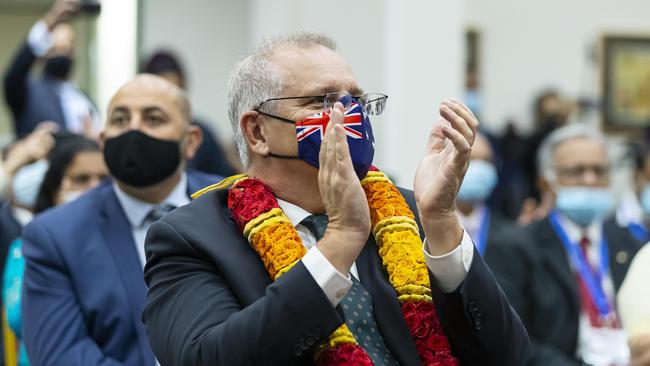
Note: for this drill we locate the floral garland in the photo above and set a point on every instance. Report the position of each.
(271, 234)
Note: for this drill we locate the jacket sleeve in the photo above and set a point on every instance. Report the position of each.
(16, 78)
(193, 317)
(53, 326)
(482, 327)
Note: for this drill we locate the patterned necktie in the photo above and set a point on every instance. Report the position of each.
(357, 308)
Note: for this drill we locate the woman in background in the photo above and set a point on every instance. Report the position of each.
(76, 165)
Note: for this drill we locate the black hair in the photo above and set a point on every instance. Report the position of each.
(163, 62)
(67, 147)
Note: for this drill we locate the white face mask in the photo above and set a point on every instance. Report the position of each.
(71, 196)
(27, 182)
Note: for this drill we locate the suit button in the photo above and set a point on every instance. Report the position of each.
(472, 306)
(622, 257)
(297, 350)
(477, 324)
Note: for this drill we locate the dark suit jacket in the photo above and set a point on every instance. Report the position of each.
(551, 306)
(83, 289)
(211, 302)
(31, 100)
(509, 258)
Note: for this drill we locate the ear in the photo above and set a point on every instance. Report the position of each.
(193, 141)
(254, 131)
(102, 139)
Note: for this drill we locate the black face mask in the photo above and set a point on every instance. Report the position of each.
(140, 160)
(58, 67)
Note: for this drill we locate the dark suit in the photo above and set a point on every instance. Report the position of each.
(211, 302)
(509, 259)
(83, 289)
(550, 307)
(31, 100)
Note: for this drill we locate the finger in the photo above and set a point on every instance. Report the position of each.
(458, 140)
(436, 141)
(459, 119)
(462, 110)
(343, 159)
(464, 106)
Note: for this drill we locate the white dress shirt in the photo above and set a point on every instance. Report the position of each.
(449, 269)
(77, 109)
(136, 211)
(596, 346)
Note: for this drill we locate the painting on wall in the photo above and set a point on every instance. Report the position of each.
(626, 81)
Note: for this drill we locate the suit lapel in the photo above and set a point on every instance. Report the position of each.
(555, 258)
(388, 313)
(622, 247)
(119, 240)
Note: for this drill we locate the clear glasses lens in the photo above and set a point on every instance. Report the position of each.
(373, 103)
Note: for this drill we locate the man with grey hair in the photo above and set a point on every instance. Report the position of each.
(582, 257)
(302, 126)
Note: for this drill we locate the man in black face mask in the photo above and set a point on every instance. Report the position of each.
(51, 97)
(83, 289)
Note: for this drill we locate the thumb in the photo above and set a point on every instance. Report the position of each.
(436, 140)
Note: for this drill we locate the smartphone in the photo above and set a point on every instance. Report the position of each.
(90, 7)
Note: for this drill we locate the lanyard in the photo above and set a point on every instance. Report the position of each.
(483, 231)
(592, 278)
(639, 232)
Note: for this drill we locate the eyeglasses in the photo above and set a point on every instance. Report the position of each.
(600, 172)
(372, 103)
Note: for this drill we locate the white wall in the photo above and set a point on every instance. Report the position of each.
(530, 45)
(209, 36)
(408, 50)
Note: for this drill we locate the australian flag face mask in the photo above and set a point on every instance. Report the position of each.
(361, 142)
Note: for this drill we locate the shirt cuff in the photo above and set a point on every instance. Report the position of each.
(334, 284)
(450, 269)
(40, 39)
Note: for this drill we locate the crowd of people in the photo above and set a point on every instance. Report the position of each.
(509, 250)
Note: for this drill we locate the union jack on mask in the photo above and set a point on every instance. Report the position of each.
(356, 123)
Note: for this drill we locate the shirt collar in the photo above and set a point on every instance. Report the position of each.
(294, 213)
(136, 210)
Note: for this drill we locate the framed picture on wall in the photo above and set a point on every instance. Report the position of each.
(626, 81)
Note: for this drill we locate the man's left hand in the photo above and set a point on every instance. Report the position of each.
(440, 174)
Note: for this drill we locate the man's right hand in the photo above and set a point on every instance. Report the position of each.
(343, 197)
(60, 12)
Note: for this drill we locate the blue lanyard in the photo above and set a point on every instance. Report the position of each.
(639, 232)
(483, 231)
(592, 279)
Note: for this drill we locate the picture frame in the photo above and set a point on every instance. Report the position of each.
(626, 82)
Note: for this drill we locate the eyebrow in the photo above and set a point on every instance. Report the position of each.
(334, 89)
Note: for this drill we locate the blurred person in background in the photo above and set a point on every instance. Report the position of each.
(211, 157)
(21, 174)
(83, 288)
(551, 111)
(633, 212)
(76, 165)
(52, 96)
(571, 312)
(13, 216)
(499, 240)
(634, 306)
